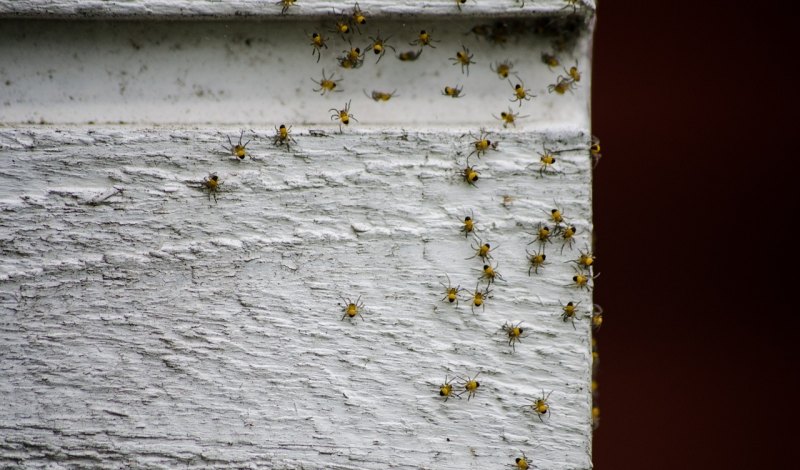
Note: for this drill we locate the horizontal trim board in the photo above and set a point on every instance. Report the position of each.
(265, 73)
(205, 9)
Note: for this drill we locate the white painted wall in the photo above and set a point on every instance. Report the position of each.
(161, 329)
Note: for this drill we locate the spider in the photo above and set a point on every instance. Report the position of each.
(451, 293)
(446, 389)
(514, 332)
(352, 309)
(239, 150)
(483, 250)
(470, 386)
(212, 184)
(540, 405)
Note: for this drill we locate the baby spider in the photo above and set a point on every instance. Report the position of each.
(470, 386)
(520, 93)
(585, 260)
(573, 72)
(282, 136)
(351, 309)
(285, 4)
(509, 118)
(453, 92)
(317, 42)
(546, 161)
(469, 224)
(343, 116)
(380, 95)
(502, 69)
(451, 293)
(597, 317)
(459, 3)
(569, 311)
(327, 84)
(556, 216)
(562, 85)
(522, 462)
(342, 26)
(481, 144)
(594, 150)
(463, 58)
(540, 405)
(550, 60)
(424, 39)
(409, 56)
(352, 59)
(483, 250)
(358, 17)
(479, 297)
(581, 280)
(568, 237)
(212, 184)
(537, 260)
(490, 274)
(446, 389)
(470, 174)
(379, 46)
(238, 150)
(514, 333)
(542, 235)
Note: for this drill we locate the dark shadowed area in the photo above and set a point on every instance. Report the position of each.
(694, 104)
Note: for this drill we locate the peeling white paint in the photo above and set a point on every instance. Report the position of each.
(142, 324)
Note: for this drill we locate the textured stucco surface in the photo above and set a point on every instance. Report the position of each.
(154, 327)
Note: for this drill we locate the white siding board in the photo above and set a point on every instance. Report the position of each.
(158, 328)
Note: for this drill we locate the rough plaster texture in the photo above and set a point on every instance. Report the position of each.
(155, 327)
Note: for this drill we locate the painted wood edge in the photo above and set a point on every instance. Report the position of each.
(267, 9)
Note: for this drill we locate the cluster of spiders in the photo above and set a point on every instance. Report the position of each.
(212, 183)
(482, 143)
(347, 25)
(457, 386)
(556, 229)
(479, 146)
(537, 260)
(564, 83)
(470, 385)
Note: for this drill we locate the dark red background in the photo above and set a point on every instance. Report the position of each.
(696, 104)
